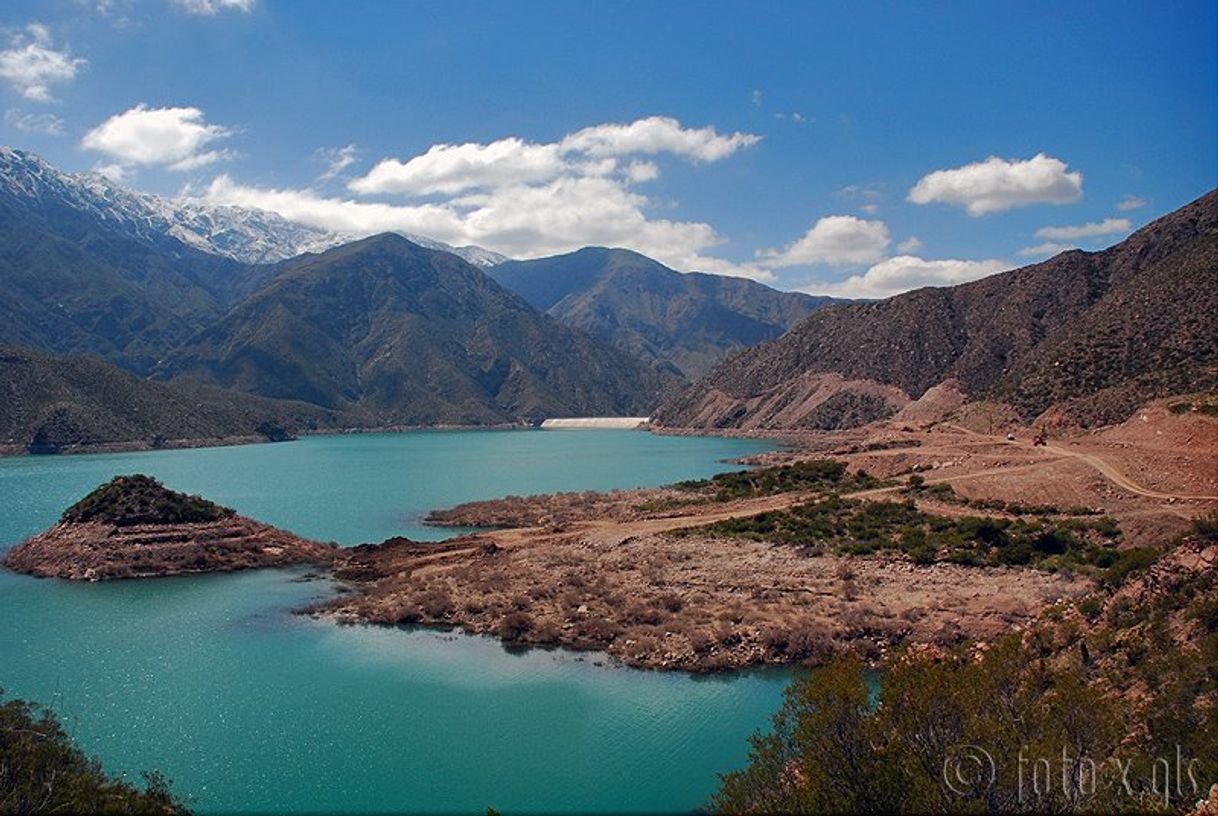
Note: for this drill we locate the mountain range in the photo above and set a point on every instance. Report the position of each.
(59, 402)
(242, 234)
(1083, 336)
(134, 318)
(411, 336)
(682, 323)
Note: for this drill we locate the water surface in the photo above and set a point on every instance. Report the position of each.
(247, 707)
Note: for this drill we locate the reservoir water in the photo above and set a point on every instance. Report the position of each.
(246, 707)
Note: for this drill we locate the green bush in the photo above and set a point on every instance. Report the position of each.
(140, 499)
(41, 771)
(865, 527)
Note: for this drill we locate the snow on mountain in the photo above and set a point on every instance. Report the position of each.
(243, 234)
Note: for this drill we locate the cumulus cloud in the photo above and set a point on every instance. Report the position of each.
(1045, 250)
(909, 245)
(210, 7)
(112, 170)
(523, 220)
(45, 123)
(1109, 226)
(906, 272)
(640, 171)
(997, 184)
(834, 239)
(170, 137)
(1130, 202)
(449, 169)
(657, 134)
(525, 199)
(32, 64)
(337, 159)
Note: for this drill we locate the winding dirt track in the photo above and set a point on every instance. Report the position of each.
(1119, 479)
(613, 531)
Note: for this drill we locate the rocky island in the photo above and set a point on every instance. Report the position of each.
(133, 526)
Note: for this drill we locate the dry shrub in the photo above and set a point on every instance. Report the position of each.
(435, 603)
(810, 642)
(546, 632)
(598, 631)
(700, 641)
(914, 614)
(641, 612)
(726, 634)
(672, 602)
(514, 626)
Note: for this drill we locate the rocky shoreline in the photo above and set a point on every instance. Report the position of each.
(132, 527)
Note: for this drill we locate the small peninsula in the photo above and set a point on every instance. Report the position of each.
(133, 527)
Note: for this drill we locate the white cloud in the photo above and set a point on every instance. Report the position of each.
(46, 123)
(1109, 226)
(755, 97)
(834, 239)
(1130, 202)
(32, 64)
(525, 199)
(451, 169)
(657, 134)
(910, 244)
(112, 170)
(904, 273)
(448, 169)
(523, 220)
(210, 7)
(170, 137)
(1045, 250)
(337, 159)
(640, 171)
(997, 184)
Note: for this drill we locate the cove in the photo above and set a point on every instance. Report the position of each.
(247, 707)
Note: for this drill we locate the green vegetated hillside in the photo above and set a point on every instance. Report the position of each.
(56, 402)
(72, 283)
(1093, 333)
(682, 323)
(411, 335)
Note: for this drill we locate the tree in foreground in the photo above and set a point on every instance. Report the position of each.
(42, 771)
(1106, 705)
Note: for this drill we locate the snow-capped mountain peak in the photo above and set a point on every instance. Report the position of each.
(241, 233)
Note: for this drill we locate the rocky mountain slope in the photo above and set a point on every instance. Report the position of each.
(54, 403)
(410, 335)
(242, 234)
(1090, 334)
(682, 323)
(71, 282)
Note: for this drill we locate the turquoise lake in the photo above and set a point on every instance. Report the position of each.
(247, 707)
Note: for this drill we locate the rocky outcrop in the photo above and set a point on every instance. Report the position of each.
(133, 527)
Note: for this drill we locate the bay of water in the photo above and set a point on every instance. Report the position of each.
(247, 707)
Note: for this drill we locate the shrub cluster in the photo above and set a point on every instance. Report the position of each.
(140, 499)
(852, 527)
(816, 474)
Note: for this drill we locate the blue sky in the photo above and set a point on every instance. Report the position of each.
(804, 144)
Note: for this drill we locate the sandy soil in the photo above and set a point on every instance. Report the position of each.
(606, 571)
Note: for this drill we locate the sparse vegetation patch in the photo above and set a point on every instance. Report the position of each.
(140, 499)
